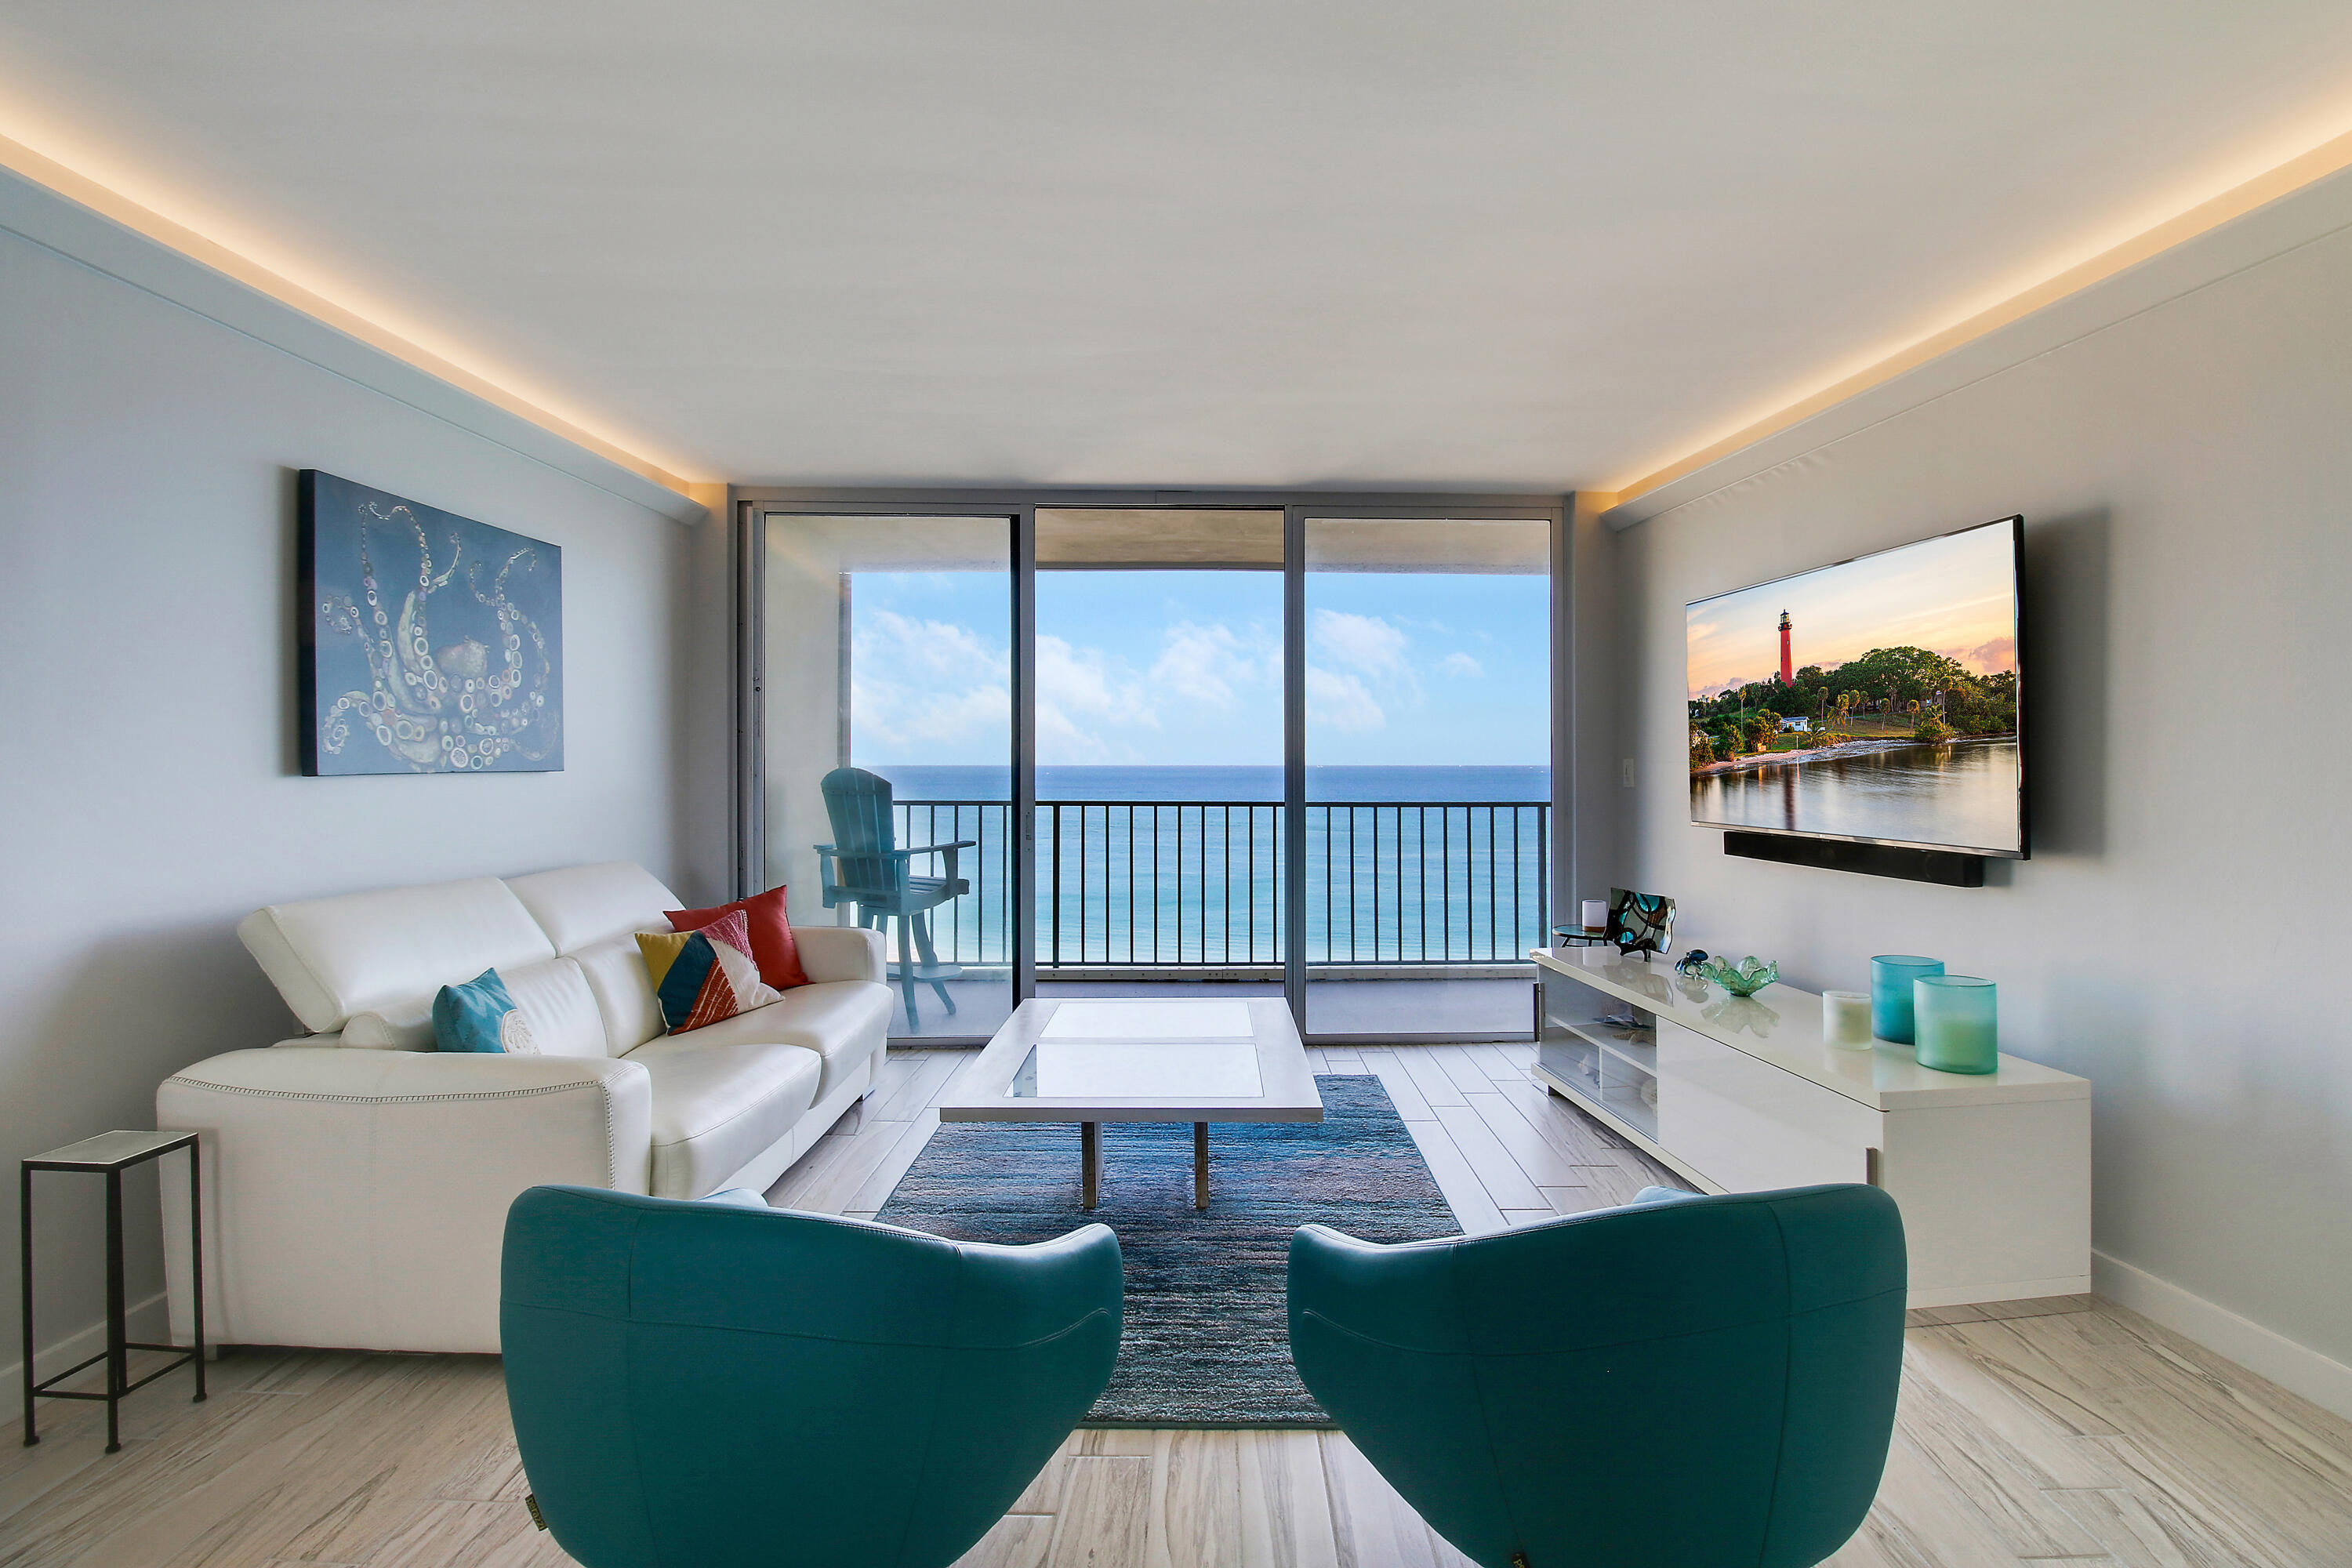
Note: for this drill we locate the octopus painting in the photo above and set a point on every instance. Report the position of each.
(433, 644)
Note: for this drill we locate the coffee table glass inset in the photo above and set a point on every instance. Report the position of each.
(1096, 1061)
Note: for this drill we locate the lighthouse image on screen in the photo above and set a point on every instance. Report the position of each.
(1875, 699)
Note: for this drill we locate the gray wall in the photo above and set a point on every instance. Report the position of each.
(149, 786)
(2179, 935)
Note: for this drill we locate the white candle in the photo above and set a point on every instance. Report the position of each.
(1596, 914)
(1846, 1019)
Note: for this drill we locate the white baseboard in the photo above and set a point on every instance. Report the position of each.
(147, 1320)
(2298, 1369)
(2007, 1290)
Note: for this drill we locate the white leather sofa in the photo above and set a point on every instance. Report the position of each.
(356, 1181)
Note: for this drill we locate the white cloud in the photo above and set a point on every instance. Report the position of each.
(1366, 643)
(1060, 740)
(1203, 664)
(1340, 702)
(937, 645)
(1086, 680)
(1080, 692)
(1460, 663)
(920, 685)
(926, 686)
(896, 717)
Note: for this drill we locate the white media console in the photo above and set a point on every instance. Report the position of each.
(1992, 1170)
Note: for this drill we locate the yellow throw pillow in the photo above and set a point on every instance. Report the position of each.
(702, 977)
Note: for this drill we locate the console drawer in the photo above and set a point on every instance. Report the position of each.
(1748, 1126)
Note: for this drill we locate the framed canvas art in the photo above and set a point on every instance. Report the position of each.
(431, 643)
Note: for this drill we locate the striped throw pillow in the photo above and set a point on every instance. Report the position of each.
(702, 977)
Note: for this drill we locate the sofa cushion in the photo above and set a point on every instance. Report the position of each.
(615, 973)
(480, 1018)
(718, 1105)
(844, 1021)
(772, 935)
(562, 1011)
(394, 1026)
(331, 958)
(554, 995)
(702, 977)
(582, 905)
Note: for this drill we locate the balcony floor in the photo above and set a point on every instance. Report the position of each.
(1495, 1009)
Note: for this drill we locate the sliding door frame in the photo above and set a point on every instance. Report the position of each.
(1019, 506)
(1551, 511)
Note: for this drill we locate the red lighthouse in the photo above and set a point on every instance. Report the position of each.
(1788, 670)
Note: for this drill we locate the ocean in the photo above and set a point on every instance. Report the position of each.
(1181, 865)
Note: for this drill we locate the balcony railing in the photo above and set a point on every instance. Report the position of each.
(1196, 884)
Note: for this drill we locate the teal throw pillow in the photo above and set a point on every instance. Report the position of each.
(480, 1017)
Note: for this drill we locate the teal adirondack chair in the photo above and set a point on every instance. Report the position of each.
(863, 866)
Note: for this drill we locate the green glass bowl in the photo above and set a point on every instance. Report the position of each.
(1745, 978)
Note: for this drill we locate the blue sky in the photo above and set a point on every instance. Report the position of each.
(1185, 667)
(1956, 596)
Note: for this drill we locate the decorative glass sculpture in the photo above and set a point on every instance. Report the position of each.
(1641, 922)
(1959, 1027)
(1891, 975)
(1750, 975)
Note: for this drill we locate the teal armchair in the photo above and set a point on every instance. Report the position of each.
(1686, 1382)
(726, 1385)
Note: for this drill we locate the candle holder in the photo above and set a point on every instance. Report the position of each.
(1891, 975)
(1957, 1023)
(1846, 1019)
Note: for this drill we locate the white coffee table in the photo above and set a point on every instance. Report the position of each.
(1095, 1061)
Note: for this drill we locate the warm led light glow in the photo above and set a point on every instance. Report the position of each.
(2090, 264)
(138, 204)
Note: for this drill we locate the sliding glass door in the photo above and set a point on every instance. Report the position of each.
(1427, 809)
(886, 749)
(1118, 748)
(1160, 750)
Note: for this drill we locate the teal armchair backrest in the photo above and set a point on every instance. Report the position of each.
(1686, 1382)
(858, 805)
(718, 1386)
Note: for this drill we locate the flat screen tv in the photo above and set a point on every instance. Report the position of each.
(1874, 702)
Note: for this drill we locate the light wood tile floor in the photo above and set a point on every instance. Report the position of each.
(2066, 1430)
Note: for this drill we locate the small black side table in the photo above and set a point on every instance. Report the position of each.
(111, 1153)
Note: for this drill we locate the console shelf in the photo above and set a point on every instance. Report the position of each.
(1992, 1170)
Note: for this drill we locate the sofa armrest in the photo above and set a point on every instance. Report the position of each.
(840, 953)
(357, 1198)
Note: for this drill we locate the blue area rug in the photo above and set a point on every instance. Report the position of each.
(1207, 1340)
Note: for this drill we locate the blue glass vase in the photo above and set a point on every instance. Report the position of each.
(1891, 975)
(1957, 1023)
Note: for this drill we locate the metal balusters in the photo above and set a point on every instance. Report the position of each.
(1192, 892)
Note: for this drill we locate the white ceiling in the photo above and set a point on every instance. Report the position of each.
(1535, 246)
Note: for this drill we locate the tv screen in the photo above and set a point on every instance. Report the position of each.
(1875, 700)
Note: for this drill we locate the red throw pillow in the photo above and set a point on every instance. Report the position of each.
(772, 948)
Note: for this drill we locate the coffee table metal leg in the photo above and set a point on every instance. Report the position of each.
(1199, 1165)
(1089, 1164)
